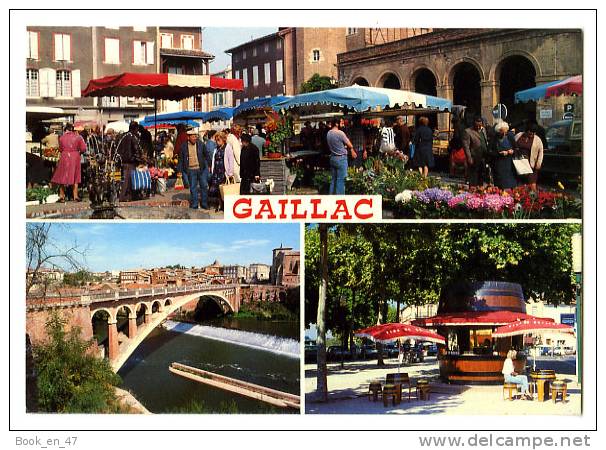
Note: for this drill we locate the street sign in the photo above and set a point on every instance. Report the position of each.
(568, 108)
(499, 111)
(568, 116)
(546, 114)
(567, 319)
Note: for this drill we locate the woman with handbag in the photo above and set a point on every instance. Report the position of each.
(68, 171)
(222, 166)
(530, 147)
(502, 149)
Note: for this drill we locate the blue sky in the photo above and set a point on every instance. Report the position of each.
(115, 246)
(216, 40)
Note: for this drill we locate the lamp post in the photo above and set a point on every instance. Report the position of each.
(577, 268)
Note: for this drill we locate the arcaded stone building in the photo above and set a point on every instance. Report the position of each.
(478, 68)
(285, 267)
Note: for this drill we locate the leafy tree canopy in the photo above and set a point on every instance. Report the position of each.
(317, 83)
(372, 266)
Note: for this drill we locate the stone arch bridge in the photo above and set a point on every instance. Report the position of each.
(145, 309)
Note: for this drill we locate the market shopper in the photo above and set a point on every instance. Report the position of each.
(258, 141)
(251, 168)
(423, 141)
(68, 171)
(402, 136)
(475, 145)
(338, 144)
(51, 140)
(129, 151)
(195, 161)
(233, 139)
(179, 140)
(502, 149)
(530, 147)
(357, 137)
(221, 160)
(511, 376)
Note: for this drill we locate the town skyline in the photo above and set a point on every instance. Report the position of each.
(124, 246)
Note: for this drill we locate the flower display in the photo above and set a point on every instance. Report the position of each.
(488, 202)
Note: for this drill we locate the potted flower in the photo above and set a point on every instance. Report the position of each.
(279, 128)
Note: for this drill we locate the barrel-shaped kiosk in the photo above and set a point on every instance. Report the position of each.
(468, 314)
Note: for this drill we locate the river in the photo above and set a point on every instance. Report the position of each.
(260, 352)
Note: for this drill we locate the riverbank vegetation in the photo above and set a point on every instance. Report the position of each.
(70, 378)
(266, 311)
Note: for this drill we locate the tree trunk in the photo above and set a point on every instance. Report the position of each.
(322, 383)
(382, 318)
(398, 310)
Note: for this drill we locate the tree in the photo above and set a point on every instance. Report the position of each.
(70, 377)
(41, 251)
(316, 83)
(373, 266)
(322, 382)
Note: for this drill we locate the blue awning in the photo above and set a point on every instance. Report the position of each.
(265, 102)
(363, 98)
(180, 115)
(150, 123)
(218, 115)
(533, 94)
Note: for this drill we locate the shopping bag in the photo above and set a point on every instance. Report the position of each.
(522, 166)
(179, 186)
(230, 187)
(140, 179)
(258, 188)
(161, 187)
(411, 148)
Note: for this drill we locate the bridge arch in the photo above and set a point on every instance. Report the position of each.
(167, 302)
(220, 300)
(156, 306)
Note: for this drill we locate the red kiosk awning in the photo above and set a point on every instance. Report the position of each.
(163, 86)
(472, 318)
(534, 325)
(389, 332)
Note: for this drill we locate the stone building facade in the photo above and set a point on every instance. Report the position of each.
(286, 267)
(60, 62)
(308, 51)
(260, 65)
(478, 68)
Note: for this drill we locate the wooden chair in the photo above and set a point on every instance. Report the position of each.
(374, 389)
(511, 389)
(390, 390)
(399, 379)
(559, 387)
(423, 389)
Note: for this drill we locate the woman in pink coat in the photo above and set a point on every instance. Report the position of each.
(68, 168)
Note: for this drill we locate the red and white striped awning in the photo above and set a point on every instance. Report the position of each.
(534, 326)
(163, 86)
(389, 332)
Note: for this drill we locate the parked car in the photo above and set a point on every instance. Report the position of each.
(558, 351)
(391, 350)
(563, 157)
(336, 353)
(431, 349)
(369, 351)
(311, 351)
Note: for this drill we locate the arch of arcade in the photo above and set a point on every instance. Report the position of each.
(475, 67)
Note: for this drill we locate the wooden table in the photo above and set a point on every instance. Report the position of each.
(543, 378)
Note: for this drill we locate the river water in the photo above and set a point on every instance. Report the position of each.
(259, 352)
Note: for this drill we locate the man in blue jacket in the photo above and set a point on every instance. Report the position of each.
(195, 161)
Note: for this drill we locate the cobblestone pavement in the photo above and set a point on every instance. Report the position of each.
(170, 205)
(348, 389)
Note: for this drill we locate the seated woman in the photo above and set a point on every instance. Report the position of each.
(511, 376)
